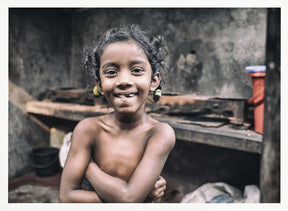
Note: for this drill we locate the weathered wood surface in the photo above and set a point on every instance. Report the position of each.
(245, 140)
(67, 111)
(225, 136)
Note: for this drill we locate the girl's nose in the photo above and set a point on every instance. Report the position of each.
(124, 81)
(123, 84)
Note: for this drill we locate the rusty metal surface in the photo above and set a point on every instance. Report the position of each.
(232, 109)
(70, 95)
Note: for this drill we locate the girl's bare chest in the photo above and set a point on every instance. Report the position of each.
(119, 156)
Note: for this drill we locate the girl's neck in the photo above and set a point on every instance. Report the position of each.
(129, 121)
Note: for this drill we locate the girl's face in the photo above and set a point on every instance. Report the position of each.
(125, 75)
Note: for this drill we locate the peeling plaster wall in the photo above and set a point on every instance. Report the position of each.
(39, 57)
(209, 48)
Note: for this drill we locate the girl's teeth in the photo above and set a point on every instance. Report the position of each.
(127, 95)
(130, 95)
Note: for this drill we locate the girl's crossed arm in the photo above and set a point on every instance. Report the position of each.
(112, 189)
(76, 165)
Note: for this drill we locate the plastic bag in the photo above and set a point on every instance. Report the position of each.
(222, 193)
(64, 150)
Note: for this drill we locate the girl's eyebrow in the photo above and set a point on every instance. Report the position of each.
(137, 62)
(110, 64)
(113, 64)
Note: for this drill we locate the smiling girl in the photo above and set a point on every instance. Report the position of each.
(121, 154)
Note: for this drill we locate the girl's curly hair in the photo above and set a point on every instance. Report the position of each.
(153, 46)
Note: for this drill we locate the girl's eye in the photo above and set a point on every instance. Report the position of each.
(110, 72)
(137, 71)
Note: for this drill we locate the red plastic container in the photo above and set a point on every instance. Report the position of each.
(258, 78)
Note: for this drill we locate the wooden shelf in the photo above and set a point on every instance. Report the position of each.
(224, 136)
(69, 111)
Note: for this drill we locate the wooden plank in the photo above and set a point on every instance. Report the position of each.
(221, 137)
(226, 137)
(67, 111)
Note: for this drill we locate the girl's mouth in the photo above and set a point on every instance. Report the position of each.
(125, 94)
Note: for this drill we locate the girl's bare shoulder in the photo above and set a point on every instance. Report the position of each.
(90, 125)
(163, 133)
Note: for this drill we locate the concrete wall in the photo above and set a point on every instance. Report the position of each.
(223, 42)
(45, 51)
(39, 57)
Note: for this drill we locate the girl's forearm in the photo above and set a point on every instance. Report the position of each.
(81, 196)
(111, 189)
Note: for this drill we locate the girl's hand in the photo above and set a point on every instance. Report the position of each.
(158, 190)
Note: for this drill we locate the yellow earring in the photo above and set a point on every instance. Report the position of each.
(157, 94)
(96, 92)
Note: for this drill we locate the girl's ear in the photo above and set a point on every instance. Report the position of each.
(99, 87)
(156, 78)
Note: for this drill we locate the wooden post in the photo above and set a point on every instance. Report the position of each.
(270, 161)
